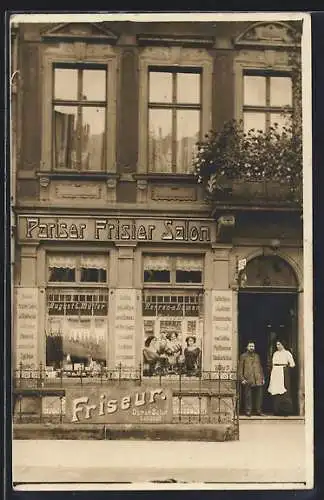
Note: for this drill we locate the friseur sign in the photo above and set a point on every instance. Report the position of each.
(118, 405)
(113, 229)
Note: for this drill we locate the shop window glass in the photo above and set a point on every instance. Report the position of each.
(172, 334)
(155, 276)
(93, 275)
(188, 276)
(62, 274)
(76, 331)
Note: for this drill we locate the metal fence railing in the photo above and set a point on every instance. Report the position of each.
(208, 397)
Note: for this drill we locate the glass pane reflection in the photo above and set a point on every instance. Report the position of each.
(280, 91)
(255, 121)
(65, 128)
(160, 87)
(92, 138)
(254, 90)
(160, 140)
(65, 84)
(187, 137)
(94, 85)
(188, 88)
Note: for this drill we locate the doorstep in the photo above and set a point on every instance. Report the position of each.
(159, 432)
(271, 418)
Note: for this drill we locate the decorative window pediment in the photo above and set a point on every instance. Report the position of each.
(175, 39)
(79, 31)
(268, 34)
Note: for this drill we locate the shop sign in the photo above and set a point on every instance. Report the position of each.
(122, 229)
(222, 340)
(163, 309)
(124, 326)
(118, 405)
(26, 327)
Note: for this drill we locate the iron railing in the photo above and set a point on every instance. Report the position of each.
(208, 397)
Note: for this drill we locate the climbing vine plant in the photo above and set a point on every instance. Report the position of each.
(232, 154)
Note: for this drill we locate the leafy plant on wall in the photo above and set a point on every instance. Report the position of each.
(275, 155)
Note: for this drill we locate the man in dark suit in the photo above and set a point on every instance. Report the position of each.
(252, 379)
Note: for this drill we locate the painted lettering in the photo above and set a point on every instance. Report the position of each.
(125, 403)
(112, 406)
(167, 235)
(76, 409)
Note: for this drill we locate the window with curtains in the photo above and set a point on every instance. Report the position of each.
(79, 107)
(77, 311)
(185, 269)
(266, 96)
(174, 118)
(172, 315)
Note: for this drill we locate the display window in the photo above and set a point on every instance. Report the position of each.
(77, 312)
(172, 316)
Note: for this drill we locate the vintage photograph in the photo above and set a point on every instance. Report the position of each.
(161, 251)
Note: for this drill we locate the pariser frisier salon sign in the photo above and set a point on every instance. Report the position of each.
(118, 405)
(115, 229)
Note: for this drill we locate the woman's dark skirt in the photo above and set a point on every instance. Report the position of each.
(282, 403)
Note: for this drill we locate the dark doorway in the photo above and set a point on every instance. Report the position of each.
(264, 318)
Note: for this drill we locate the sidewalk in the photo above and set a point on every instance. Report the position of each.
(272, 451)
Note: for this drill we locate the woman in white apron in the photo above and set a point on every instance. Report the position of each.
(279, 386)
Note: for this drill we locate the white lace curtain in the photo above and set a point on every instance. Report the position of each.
(62, 261)
(93, 261)
(71, 261)
(157, 263)
(164, 263)
(189, 263)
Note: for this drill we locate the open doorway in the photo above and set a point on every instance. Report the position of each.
(263, 318)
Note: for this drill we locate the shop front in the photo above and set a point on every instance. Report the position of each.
(150, 299)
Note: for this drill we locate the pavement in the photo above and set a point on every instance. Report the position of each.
(271, 451)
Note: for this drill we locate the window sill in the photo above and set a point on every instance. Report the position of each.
(167, 177)
(174, 286)
(79, 175)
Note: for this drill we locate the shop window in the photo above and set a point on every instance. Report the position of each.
(174, 117)
(266, 96)
(83, 269)
(77, 317)
(79, 116)
(173, 318)
(173, 330)
(169, 269)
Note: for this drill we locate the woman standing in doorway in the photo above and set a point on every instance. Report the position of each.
(279, 387)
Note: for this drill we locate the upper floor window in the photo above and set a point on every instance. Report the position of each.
(79, 116)
(266, 96)
(174, 118)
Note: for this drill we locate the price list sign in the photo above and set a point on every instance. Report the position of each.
(222, 326)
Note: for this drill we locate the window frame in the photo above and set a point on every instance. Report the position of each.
(77, 283)
(174, 106)
(177, 58)
(258, 62)
(79, 104)
(75, 54)
(173, 283)
(267, 109)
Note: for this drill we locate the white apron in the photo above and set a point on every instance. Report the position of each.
(277, 378)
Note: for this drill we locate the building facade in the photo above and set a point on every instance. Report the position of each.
(115, 247)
